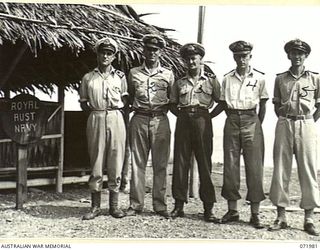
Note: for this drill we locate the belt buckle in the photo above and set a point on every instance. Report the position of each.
(153, 114)
(193, 109)
(301, 117)
(291, 117)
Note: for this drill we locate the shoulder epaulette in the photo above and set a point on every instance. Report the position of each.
(313, 72)
(258, 71)
(228, 72)
(183, 77)
(120, 73)
(211, 75)
(167, 67)
(282, 73)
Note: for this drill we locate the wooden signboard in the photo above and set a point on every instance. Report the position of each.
(23, 120)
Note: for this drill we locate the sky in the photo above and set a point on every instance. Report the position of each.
(267, 27)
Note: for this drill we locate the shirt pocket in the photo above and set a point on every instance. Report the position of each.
(205, 95)
(183, 95)
(307, 93)
(234, 91)
(141, 91)
(252, 90)
(160, 90)
(115, 94)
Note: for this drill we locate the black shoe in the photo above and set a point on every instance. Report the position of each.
(209, 217)
(231, 215)
(177, 213)
(94, 212)
(163, 213)
(178, 209)
(255, 221)
(310, 229)
(123, 187)
(278, 225)
(132, 212)
(116, 213)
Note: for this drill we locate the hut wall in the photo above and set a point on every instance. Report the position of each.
(75, 142)
(45, 153)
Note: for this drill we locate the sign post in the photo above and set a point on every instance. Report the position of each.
(21, 191)
(24, 122)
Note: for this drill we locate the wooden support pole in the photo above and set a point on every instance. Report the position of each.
(202, 10)
(21, 184)
(59, 178)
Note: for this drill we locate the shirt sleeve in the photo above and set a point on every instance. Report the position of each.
(216, 90)
(317, 93)
(83, 91)
(124, 86)
(171, 82)
(223, 90)
(131, 88)
(263, 90)
(276, 92)
(174, 93)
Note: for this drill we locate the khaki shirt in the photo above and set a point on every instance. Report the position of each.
(150, 90)
(203, 93)
(297, 95)
(246, 93)
(103, 92)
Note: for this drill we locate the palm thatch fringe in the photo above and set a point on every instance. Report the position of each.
(65, 26)
(60, 38)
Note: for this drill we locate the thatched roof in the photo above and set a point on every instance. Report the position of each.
(42, 45)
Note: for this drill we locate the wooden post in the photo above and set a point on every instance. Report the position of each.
(202, 10)
(59, 178)
(21, 191)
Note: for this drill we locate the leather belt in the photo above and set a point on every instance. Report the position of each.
(241, 111)
(194, 110)
(107, 109)
(298, 117)
(150, 113)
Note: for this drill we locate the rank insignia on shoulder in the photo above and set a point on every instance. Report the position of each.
(316, 73)
(211, 75)
(167, 67)
(229, 72)
(258, 71)
(282, 73)
(120, 73)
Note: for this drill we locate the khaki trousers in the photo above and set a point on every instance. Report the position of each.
(243, 132)
(149, 133)
(106, 135)
(298, 138)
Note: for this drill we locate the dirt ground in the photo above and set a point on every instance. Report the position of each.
(47, 214)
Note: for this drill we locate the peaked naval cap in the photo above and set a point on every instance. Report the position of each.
(192, 49)
(298, 45)
(107, 44)
(241, 47)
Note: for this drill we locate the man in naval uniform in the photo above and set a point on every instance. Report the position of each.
(149, 130)
(191, 98)
(102, 93)
(243, 90)
(297, 105)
